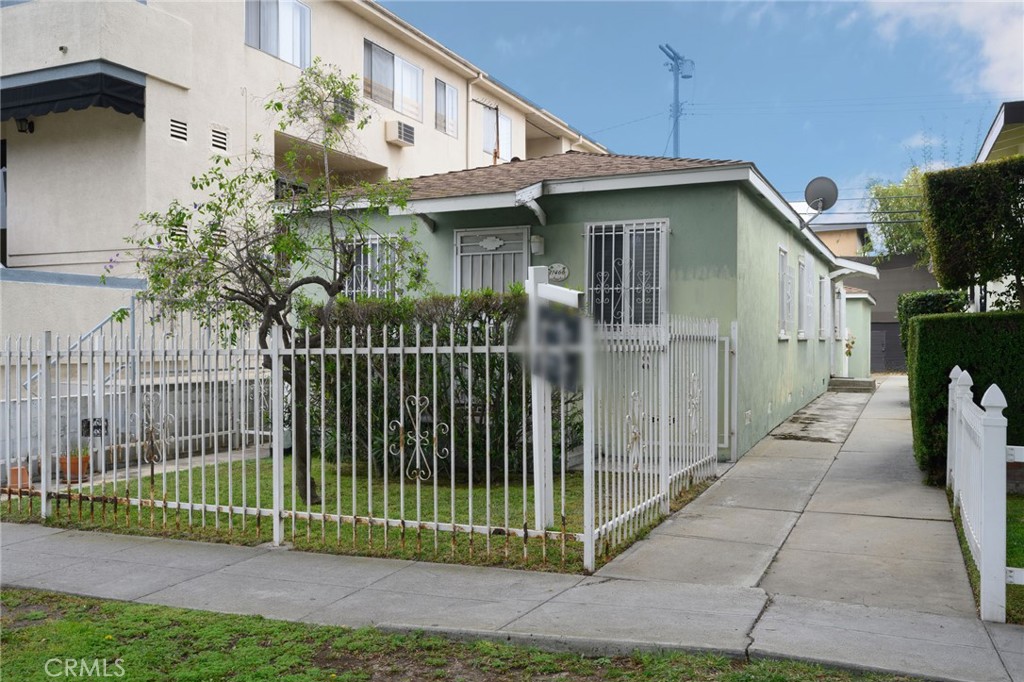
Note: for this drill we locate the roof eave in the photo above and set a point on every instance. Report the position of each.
(849, 267)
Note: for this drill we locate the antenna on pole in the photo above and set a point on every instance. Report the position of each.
(680, 67)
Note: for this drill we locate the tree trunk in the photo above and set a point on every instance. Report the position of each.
(304, 481)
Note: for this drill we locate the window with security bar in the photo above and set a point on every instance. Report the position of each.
(626, 265)
(373, 257)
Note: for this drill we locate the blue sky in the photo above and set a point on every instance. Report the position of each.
(852, 90)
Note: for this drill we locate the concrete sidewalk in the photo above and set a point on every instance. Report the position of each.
(820, 544)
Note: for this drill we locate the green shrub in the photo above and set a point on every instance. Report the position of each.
(465, 394)
(973, 225)
(988, 345)
(933, 301)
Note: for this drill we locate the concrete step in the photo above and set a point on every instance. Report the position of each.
(846, 385)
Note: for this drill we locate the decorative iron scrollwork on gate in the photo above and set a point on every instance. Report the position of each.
(693, 403)
(418, 439)
(636, 419)
(156, 428)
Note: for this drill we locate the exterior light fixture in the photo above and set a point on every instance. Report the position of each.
(537, 245)
(25, 125)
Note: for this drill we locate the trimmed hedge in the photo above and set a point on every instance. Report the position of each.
(973, 225)
(930, 302)
(988, 345)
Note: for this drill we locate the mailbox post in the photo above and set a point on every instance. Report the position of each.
(539, 293)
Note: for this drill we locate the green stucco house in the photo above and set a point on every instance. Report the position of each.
(642, 236)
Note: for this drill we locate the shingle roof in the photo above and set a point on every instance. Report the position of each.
(515, 175)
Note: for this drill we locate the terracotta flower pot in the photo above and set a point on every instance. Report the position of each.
(74, 469)
(21, 477)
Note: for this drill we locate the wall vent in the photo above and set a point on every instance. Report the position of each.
(179, 130)
(219, 139)
(400, 134)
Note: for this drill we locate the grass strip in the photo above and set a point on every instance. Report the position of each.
(152, 643)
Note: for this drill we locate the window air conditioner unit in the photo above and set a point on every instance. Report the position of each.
(400, 134)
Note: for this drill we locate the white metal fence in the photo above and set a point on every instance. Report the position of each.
(412, 439)
(976, 458)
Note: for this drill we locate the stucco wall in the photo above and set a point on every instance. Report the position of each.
(78, 184)
(31, 309)
(776, 377)
(702, 242)
(723, 263)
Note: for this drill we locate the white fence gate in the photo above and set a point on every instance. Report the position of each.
(976, 458)
(405, 439)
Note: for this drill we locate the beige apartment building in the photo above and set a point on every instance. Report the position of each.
(110, 107)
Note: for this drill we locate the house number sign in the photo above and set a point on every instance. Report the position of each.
(558, 272)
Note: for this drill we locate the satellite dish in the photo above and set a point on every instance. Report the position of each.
(821, 194)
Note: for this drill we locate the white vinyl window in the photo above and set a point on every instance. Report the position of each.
(497, 134)
(446, 108)
(392, 81)
(785, 295)
(626, 264)
(370, 276)
(280, 28)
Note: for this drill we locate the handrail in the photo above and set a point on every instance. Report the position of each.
(87, 335)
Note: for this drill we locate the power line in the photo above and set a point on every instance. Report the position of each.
(627, 123)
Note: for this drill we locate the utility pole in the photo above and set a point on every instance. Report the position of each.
(680, 67)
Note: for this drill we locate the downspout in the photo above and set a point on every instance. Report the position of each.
(469, 102)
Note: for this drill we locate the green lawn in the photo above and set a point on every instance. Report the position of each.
(225, 485)
(158, 643)
(1014, 556)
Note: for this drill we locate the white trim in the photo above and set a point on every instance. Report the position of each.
(993, 134)
(865, 295)
(858, 268)
(693, 176)
(472, 202)
(456, 255)
(530, 193)
(542, 217)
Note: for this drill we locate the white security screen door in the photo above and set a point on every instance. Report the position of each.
(491, 259)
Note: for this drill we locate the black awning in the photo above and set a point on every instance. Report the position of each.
(73, 92)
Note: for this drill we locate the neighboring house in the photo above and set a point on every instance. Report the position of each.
(896, 275)
(843, 239)
(859, 346)
(646, 236)
(1006, 134)
(108, 110)
(1005, 138)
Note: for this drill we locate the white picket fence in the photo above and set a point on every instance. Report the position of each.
(976, 458)
(419, 437)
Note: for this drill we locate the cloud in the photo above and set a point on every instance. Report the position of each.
(849, 20)
(921, 140)
(753, 13)
(935, 164)
(995, 27)
(533, 43)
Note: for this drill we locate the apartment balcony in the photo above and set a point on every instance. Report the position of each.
(47, 40)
